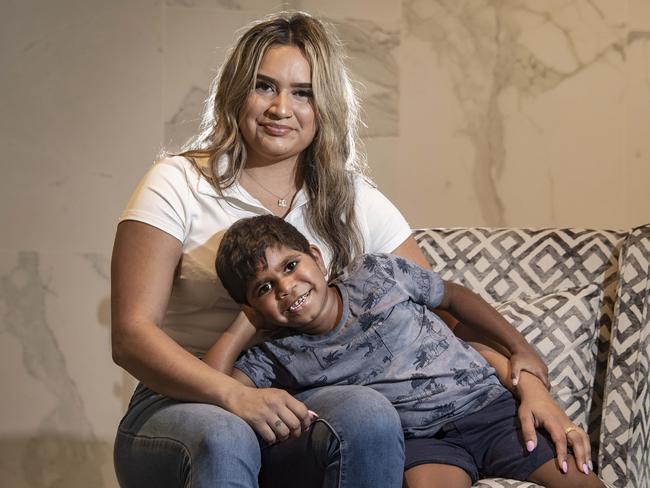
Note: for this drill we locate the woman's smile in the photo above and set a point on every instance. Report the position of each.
(277, 130)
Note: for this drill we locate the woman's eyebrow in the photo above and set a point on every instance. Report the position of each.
(269, 79)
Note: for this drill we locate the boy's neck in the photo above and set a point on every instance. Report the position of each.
(331, 320)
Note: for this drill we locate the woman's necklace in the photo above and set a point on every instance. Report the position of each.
(282, 200)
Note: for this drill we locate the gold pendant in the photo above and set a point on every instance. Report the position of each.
(282, 202)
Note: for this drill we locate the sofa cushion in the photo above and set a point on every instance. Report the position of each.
(563, 327)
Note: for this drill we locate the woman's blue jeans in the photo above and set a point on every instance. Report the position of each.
(357, 442)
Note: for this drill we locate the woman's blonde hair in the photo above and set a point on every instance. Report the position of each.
(328, 166)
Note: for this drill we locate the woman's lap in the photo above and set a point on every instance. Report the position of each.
(166, 443)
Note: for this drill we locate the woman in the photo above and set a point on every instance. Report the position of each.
(279, 137)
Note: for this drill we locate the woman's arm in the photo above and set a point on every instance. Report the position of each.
(142, 271)
(495, 332)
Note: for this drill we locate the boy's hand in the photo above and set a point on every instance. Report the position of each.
(254, 317)
(538, 409)
(524, 358)
(274, 414)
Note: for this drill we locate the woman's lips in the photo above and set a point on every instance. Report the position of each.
(276, 129)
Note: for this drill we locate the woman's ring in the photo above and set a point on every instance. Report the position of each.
(278, 423)
(570, 429)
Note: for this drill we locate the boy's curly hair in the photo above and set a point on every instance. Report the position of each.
(243, 250)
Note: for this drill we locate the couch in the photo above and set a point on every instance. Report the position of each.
(581, 298)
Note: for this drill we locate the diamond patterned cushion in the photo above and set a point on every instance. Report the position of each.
(563, 327)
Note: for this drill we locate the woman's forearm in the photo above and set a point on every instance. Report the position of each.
(154, 358)
(142, 271)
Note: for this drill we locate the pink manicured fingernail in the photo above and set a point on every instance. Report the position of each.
(530, 445)
(565, 467)
(312, 415)
(585, 469)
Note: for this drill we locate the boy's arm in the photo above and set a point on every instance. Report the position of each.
(223, 353)
(273, 413)
(476, 314)
(538, 409)
(410, 250)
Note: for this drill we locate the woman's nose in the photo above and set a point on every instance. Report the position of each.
(281, 106)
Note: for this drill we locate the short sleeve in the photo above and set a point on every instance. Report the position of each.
(378, 277)
(258, 366)
(382, 225)
(424, 286)
(161, 198)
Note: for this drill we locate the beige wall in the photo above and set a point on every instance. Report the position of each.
(512, 112)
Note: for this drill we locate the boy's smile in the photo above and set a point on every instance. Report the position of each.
(291, 291)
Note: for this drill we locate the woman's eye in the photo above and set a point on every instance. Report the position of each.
(263, 86)
(304, 94)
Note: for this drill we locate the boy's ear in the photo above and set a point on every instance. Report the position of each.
(318, 257)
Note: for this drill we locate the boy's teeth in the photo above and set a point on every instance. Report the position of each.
(298, 302)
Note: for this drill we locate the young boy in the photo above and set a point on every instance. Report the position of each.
(374, 326)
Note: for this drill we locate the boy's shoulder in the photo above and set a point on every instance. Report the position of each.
(381, 262)
(378, 264)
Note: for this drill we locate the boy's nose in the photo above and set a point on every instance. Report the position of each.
(284, 287)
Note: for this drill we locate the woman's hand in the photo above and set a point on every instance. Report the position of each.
(538, 409)
(274, 414)
(524, 358)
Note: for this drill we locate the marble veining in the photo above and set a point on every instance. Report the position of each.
(64, 446)
(185, 122)
(489, 48)
(371, 49)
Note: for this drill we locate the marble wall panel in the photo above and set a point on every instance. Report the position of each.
(637, 175)
(529, 106)
(75, 75)
(58, 423)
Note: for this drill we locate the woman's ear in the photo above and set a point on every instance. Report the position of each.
(318, 257)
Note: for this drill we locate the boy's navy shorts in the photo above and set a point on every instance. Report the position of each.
(487, 443)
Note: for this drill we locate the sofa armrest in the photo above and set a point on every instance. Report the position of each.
(624, 454)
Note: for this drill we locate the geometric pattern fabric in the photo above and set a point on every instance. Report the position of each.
(507, 264)
(625, 437)
(562, 326)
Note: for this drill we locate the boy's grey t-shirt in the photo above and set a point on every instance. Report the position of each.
(387, 339)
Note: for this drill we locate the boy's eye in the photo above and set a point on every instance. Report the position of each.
(291, 265)
(263, 288)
